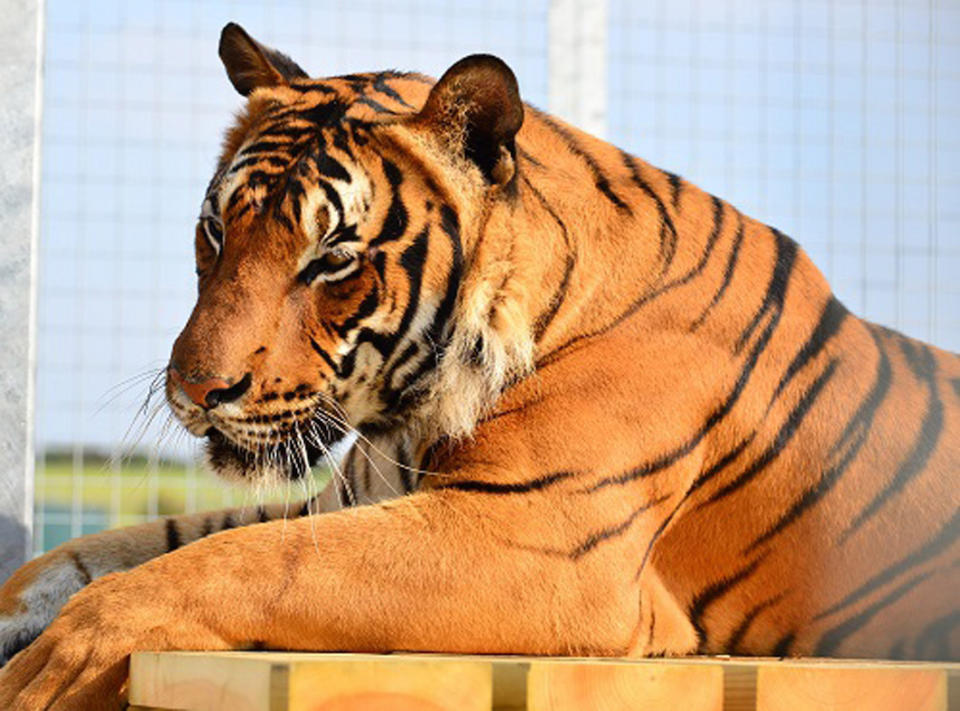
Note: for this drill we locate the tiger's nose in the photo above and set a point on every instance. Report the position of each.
(211, 392)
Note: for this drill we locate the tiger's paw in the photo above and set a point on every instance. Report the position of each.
(32, 598)
(81, 660)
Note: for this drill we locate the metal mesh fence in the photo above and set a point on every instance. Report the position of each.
(835, 121)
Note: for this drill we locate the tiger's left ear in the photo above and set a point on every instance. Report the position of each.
(250, 65)
(476, 111)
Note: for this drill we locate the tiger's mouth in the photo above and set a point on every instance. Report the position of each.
(288, 459)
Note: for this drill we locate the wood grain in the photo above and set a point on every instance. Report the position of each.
(819, 687)
(269, 681)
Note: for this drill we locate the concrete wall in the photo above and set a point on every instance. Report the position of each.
(20, 58)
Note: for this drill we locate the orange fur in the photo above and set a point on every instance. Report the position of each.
(648, 426)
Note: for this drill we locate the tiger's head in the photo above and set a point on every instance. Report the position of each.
(335, 254)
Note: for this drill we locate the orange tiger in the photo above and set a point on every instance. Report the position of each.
(624, 418)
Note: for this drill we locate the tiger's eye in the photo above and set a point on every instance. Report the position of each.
(335, 260)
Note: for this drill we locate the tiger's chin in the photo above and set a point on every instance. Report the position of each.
(269, 464)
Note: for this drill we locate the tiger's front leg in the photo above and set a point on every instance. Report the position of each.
(34, 594)
(443, 570)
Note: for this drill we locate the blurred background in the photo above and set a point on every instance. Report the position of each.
(837, 121)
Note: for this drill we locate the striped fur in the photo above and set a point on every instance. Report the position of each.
(628, 418)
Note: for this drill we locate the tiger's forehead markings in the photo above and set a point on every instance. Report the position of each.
(279, 139)
(281, 133)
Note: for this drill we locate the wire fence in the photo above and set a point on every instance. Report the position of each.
(835, 121)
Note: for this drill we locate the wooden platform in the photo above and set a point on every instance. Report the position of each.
(268, 681)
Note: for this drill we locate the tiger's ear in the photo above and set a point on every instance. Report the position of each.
(250, 65)
(476, 111)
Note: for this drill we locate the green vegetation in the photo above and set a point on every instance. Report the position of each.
(84, 495)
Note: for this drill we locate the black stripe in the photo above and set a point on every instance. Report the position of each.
(437, 334)
(848, 445)
(831, 318)
(898, 650)
(375, 105)
(396, 221)
(667, 242)
(366, 308)
(284, 221)
(780, 441)
(330, 167)
(782, 647)
(835, 636)
(697, 269)
(712, 421)
(344, 233)
(945, 538)
(264, 146)
(517, 487)
(676, 185)
(862, 419)
(810, 496)
(173, 535)
(722, 463)
(923, 447)
(777, 288)
(605, 534)
(367, 486)
(324, 355)
(736, 638)
(81, 567)
(727, 275)
(773, 301)
(262, 515)
(405, 470)
(277, 161)
(228, 523)
(600, 180)
(380, 84)
(333, 197)
(412, 260)
(388, 393)
(347, 492)
(544, 320)
(714, 592)
(933, 642)
(207, 528)
(526, 155)
(654, 538)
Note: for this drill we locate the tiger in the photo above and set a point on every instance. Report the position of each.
(597, 411)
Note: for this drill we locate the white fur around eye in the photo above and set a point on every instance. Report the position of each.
(212, 226)
(330, 266)
(213, 230)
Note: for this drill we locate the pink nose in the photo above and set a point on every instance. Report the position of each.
(211, 392)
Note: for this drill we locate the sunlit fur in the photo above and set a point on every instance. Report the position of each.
(644, 425)
(621, 325)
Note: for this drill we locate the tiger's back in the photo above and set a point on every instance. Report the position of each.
(823, 517)
(825, 513)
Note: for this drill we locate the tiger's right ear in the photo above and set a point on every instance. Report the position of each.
(250, 65)
(476, 111)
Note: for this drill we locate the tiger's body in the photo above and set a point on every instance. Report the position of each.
(626, 419)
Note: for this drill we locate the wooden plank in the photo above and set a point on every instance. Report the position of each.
(197, 681)
(269, 681)
(389, 683)
(623, 686)
(826, 687)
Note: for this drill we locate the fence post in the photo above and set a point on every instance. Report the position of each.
(577, 63)
(21, 39)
